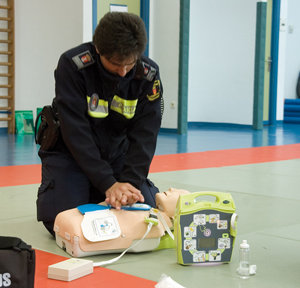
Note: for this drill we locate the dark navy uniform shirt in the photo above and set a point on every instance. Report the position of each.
(103, 116)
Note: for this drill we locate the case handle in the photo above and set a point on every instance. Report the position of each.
(202, 196)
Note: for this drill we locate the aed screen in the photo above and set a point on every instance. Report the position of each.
(207, 242)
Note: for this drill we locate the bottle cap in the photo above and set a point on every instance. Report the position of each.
(244, 244)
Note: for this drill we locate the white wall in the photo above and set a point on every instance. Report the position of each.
(87, 20)
(221, 66)
(164, 49)
(43, 30)
(292, 51)
(222, 59)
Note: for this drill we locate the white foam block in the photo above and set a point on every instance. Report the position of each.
(70, 269)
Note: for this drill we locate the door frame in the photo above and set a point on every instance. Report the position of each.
(274, 57)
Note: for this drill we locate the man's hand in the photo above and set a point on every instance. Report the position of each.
(121, 194)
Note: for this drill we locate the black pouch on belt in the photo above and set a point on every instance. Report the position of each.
(46, 134)
(17, 263)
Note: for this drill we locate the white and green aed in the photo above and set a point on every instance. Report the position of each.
(205, 227)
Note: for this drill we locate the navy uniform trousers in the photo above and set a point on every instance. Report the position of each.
(65, 186)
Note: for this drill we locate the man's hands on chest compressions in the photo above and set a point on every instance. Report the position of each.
(121, 194)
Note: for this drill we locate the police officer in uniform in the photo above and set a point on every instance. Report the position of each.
(107, 104)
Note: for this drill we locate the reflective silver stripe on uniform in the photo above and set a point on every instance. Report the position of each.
(100, 108)
(123, 106)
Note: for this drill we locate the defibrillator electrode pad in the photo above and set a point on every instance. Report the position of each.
(100, 225)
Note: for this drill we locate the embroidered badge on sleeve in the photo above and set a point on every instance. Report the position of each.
(155, 91)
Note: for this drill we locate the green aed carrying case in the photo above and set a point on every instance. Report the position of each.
(205, 228)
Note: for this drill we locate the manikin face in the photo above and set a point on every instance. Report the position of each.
(117, 67)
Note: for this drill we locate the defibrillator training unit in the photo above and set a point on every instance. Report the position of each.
(204, 225)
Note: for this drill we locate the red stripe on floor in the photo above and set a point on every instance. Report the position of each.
(20, 175)
(31, 174)
(220, 158)
(102, 277)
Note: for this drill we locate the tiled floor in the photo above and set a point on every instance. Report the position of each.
(263, 181)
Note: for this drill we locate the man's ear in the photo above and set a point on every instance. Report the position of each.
(97, 50)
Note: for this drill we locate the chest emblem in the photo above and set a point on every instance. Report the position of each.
(97, 108)
(94, 102)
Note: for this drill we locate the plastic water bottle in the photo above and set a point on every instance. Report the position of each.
(243, 269)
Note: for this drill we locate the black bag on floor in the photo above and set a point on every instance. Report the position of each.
(17, 263)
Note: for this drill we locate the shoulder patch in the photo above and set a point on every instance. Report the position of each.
(83, 59)
(145, 71)
(149, 71)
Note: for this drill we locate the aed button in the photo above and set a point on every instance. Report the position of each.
(226, 202)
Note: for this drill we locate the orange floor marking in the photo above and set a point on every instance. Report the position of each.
(102, 277)
(221, 158)
(31, 174)
(20, 175)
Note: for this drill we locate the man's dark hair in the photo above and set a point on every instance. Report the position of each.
(121, 35)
